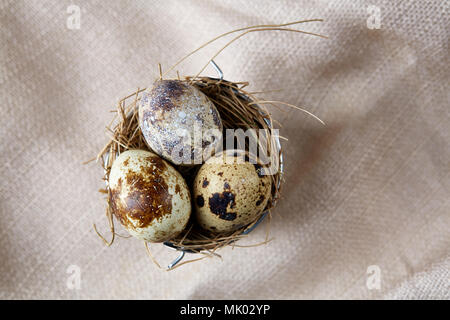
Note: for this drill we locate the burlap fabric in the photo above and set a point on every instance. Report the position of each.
(365, 211)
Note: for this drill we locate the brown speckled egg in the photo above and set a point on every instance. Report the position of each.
(148, 196)
(229, 196)
(171, 113)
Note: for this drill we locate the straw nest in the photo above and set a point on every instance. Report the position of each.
(238, 109)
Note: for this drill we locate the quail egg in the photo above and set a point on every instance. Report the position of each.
(229, 194)
(148, 196)
(179, 122)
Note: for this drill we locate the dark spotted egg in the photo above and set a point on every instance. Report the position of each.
(148, 196)
(228, 194)
(179, 122)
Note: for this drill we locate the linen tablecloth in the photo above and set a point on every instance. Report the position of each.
(365, 208)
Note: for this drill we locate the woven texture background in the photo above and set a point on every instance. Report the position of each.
(371, 188)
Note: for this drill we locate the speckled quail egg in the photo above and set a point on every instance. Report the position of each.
(148, 196)
(178, 122)
(228, 194)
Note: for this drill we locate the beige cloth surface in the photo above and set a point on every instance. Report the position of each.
(371, 188)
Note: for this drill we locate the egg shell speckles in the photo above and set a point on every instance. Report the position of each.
(148, 196)
(229, 196)
(171, 107)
